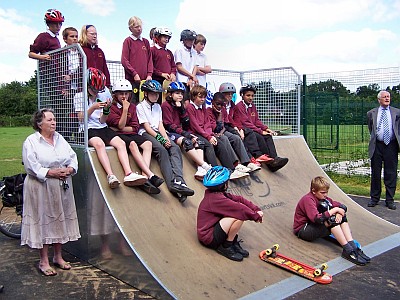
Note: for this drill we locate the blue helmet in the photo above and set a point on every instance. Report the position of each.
(152, 86)
(176, 86)
(216, 176)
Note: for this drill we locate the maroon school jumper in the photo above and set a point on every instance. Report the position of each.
(307, 211)
(248, 117)
(136, 58)
(131, 118)
(199, 122)
(213, 117)
(172, 118)
(95, 58)
(218, 205)
(44, 43)
(163, 62)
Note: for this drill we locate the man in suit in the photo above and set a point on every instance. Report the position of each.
(383, 125)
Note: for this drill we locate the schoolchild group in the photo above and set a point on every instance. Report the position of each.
(226, 141)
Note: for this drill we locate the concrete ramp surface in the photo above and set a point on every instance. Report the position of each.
(162, 232)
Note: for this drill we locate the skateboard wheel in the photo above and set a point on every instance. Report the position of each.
(324, 266)
(268, 252)
(317, 272)
(276, 246)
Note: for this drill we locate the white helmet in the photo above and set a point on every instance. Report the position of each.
(162, 31)
(122, 85)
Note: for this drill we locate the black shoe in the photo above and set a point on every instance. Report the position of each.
(354, 258)
(278, 163)
(363, 255)
(181, 198)
(149, 188)
(180, 189)
(391, 205)
(239, 249)
(372, 203)
(156, 181)
(230, 253)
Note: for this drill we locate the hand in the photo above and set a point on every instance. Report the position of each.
(167, 144)
(241, 133)
(213, 140)
(338, 218)
(172, 77)
(136, 78)
(166, 76)
(261, 214)
(270, 132)
(125, 104)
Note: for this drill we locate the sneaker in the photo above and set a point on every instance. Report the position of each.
(149, 188)
(264, 159)
(253, 161)
(156, 181)
(242, 168)
(363, 255)
(134, 179)
(199, 175)
(354, 258)
(278, 163)
(230, 253)
(179, 188)
(253, 167)
(237, 174)
(238, 248)
(113, 181)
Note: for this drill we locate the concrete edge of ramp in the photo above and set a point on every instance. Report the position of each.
(295, 284)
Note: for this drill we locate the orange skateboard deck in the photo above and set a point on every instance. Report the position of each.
(318, 275)
(165, 86)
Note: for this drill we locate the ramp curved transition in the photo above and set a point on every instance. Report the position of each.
(162, 232)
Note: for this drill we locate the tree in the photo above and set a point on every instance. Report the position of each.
(329, 86)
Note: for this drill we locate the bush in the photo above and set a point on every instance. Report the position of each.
(16, 121)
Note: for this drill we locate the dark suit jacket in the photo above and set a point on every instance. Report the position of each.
(372, 116)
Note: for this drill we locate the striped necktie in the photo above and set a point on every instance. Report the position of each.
(385, 125)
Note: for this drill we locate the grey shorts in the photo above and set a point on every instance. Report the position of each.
(219, 236)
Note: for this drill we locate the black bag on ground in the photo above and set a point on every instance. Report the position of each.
(13, 192)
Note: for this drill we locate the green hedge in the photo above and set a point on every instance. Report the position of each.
(15, 121)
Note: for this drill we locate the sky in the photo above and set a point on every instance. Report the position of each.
(312, 36)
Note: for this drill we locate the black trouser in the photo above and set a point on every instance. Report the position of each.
(209, 153)
(251, 143)
(266, 144)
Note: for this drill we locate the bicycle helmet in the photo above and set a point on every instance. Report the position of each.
(152, 86)
(248, 87)
(162, 31)
(122, 85)
(96, 80)
(176, 86)
(216, 176)
(227, 87)
(53, 15)
(188, 35)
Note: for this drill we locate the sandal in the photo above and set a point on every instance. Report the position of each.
(66, 266)
(48, 272)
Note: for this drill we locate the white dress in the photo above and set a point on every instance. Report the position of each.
(49, 213)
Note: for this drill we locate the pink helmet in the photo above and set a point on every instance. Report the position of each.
(53, 15)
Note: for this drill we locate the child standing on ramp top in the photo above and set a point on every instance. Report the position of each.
(221, 215)
(318, 216)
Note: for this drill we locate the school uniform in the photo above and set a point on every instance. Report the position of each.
(163, 62)
(95, 58)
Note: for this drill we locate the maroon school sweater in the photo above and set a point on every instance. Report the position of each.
(44, 43)
(136, 58)
(95, 58)
(248, 118)
(163, 62)
(131, 118)
(213, 116)
(172, 118)
(199, 121)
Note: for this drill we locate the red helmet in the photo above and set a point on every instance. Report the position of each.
(96, 80)
(53, 15)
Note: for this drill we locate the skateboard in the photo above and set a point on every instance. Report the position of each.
(141, 93)
(318, 275)
(165, 86)
(332, 238)
(283, 131)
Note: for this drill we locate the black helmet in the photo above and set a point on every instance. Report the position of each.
(152, 86)
(248, 87)
(188, 35)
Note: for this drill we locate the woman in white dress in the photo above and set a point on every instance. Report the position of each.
(49, 213)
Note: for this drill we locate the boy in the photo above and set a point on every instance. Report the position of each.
(318, 216)
(185, 61)
(203, 68)
(124, 121)
(47, 41)
(245, 112)
(167, 152)
(200, 125)
(136, 57)
(163, 59)
(221, 215)
(219, 121)
(174, 112)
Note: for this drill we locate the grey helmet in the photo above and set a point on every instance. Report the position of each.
(227, 87)
(188, 34)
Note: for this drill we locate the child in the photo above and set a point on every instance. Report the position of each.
(200, 125)
(185, 61)
(203, 68)
(95, 57)
(245, 112)
(99, 134)
(219, 121)
(136, 57)
(151, 35)
(163, 59)
(221, 215)
(174, 113)
(318, 216)
(124, 121)
(250, 142)
(47, 41)
(167, 152)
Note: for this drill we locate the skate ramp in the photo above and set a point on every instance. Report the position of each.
(162, 232)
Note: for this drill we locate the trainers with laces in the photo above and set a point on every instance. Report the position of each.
(149, 188)
(264, 159)
(253, 161)
(242, 168)
(253, 167)
(230, 253)
(238, 248)
(363, 255)
(199, 175)
(179, 188)
(354, 258)
(113, 181)
(237, 174)
(156, 181)
(278, 163)
(134, 179)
